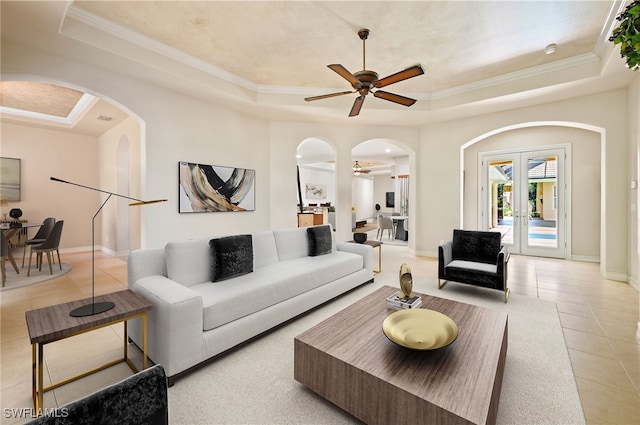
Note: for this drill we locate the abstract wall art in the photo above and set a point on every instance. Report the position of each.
(315, 191)
(212, 188)
(10, 179)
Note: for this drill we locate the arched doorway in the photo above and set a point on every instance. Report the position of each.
(584, 213)
(381, 186)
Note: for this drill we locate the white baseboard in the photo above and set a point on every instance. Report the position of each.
(107, 251)
(620, 277)
(635, 284)
(585, 258)
(76, 249)
(432, 254)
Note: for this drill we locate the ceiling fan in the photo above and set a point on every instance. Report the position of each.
(364, 81)
(358, 170)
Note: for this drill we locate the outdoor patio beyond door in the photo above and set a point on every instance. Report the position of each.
(525, 200)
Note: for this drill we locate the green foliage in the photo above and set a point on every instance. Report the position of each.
(627, 35)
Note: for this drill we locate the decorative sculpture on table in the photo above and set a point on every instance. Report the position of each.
(406, 282)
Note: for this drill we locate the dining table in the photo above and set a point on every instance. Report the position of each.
(10, 229)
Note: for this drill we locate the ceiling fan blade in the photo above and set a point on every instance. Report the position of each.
(357, 105)
(342, 71)
(326, 96)
(405, 74)
(392, 97)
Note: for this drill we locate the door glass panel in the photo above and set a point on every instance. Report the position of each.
(542, 214)
(501, 197)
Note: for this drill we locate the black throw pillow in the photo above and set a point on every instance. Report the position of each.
(319, 240)
(231, 256)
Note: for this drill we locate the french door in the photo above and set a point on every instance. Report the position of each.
(523, 195)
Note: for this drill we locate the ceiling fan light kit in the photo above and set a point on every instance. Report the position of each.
(356, 169)
(364, 81)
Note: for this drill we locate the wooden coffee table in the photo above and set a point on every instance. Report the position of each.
(54, 323)
(348, 360)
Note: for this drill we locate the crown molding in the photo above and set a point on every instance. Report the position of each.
(518, 75)
(130, 36)
(79, 110)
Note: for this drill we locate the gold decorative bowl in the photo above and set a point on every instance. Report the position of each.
(420, 329)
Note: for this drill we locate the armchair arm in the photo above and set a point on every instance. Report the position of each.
(175, 323)
(445, 256)
(502, 261)
(364, 250)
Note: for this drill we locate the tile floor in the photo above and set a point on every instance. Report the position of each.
(599, 319)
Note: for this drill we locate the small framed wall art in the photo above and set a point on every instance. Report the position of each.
(213, 188)
(315, 191)
(10, 179)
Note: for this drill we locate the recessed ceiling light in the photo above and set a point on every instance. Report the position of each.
(551, 49)
(388, 150)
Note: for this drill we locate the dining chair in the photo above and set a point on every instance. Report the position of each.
(4, 255)
(384, 223)
(48, 246)
(41, 235)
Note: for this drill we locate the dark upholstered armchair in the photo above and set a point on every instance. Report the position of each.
(475, 258)
(138, 399)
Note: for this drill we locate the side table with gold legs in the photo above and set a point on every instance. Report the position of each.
(50, 324)
(374, 244)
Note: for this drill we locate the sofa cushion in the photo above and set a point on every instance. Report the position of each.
(188, 261)
(228, 300)
(481, 274)
(476, 246)
(319, 240)
(264, 249)
(231, 256)
(291, 243)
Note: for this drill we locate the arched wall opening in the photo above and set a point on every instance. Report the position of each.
(588, 219)
(388, 167)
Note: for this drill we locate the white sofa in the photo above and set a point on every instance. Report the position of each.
(194, 318)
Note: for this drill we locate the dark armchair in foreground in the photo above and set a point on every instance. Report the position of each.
(138, 399)
(475, 258)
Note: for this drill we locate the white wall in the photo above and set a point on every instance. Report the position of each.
(634, 175)
(362, 197)
(117, 215)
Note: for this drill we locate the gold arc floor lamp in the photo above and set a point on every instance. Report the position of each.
(101, 307)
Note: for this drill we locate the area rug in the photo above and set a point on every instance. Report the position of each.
(254, 384)
(20, 280)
